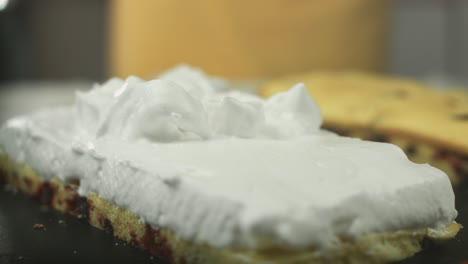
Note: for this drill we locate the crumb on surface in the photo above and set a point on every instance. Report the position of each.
(39, 227)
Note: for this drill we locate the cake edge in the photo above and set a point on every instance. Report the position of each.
(371, 248)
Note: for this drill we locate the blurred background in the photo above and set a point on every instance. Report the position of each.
(61, 45)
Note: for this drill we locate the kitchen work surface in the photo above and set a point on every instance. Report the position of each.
(64, 239)
(61, 239)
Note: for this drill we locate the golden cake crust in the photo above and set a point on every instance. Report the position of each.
(382, 103)
(374, 107)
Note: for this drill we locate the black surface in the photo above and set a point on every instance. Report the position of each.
(65, 239)
(69, 240)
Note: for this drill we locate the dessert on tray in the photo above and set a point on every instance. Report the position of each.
(196, 173)
(430, 125)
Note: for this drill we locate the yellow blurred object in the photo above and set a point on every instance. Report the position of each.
(246, 39)
(430, 125)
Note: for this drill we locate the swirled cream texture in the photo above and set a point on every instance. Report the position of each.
(226, 168)
(184, 105)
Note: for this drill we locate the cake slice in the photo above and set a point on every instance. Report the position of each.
(195, 173)
(429, 125)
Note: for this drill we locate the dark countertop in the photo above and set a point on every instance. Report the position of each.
(69, 240)
(64, 240)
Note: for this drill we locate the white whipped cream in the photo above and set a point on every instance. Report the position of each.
(227, 168)
(184, 104)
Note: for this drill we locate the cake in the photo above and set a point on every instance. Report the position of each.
(196, 173)
(429, 124)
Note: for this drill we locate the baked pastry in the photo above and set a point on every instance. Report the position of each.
(195, 173)
(430, 125)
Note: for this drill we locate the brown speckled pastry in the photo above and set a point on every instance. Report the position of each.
(370, 248)
(430, 125)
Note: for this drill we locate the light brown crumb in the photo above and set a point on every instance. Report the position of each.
(39, 227)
